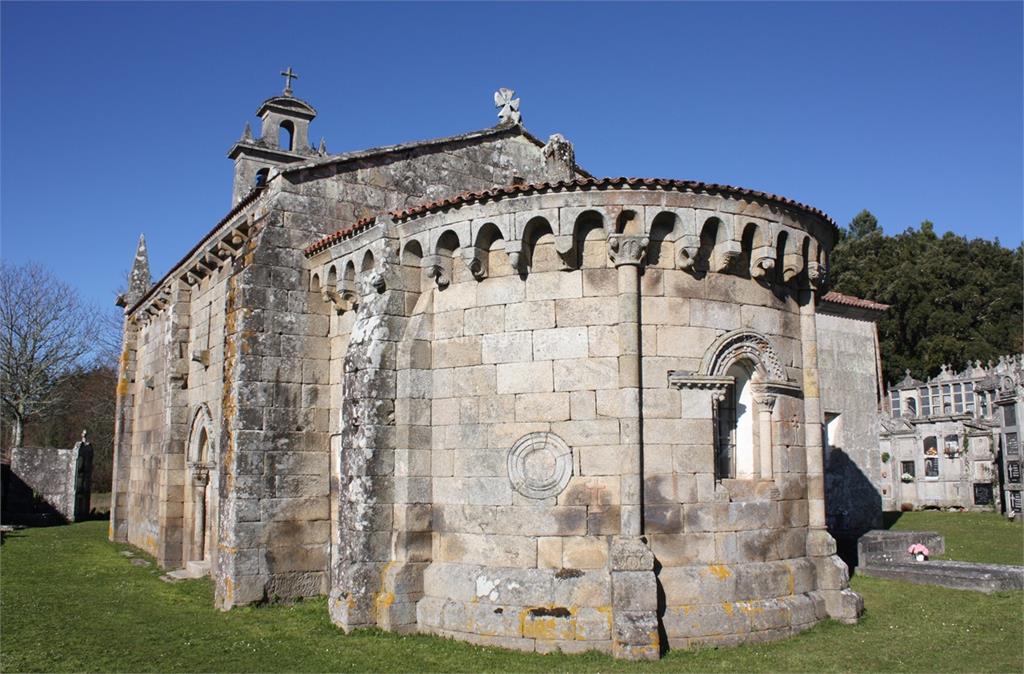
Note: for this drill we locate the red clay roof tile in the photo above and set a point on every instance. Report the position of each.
(566, 185)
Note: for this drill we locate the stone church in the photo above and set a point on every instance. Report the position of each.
(463, 387)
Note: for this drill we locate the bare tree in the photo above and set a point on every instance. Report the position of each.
(46, 331)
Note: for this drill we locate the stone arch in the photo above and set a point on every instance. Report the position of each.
(710, 231)
(589, 237)
(744, 444)
(202, 423)
(410, 263)
(629, 223)
(661, 251)
(781, 244)
(751, 239)
(539, 245)
(439, 264)
(487, 256)
(286, 135)
(743, 344)
(367, 264)
(198, 535)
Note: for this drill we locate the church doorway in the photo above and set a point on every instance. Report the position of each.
(200, 503)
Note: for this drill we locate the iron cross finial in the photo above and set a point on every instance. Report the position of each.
(288, 77)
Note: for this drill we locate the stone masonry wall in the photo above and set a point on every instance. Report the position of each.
(542, 371)
(275, 511)
(848, 366)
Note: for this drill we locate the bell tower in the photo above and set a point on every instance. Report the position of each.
(283, 140)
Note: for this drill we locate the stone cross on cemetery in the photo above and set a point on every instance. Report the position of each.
(288, 77)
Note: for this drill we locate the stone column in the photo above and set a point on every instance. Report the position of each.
(765, 406)
(635, 629)
(200, 480)
(627, 254)
(831, 573)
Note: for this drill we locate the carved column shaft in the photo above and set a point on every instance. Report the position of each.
(627, 253)
(200, 480)
(634, 586)
(812, 414)
(766, 405)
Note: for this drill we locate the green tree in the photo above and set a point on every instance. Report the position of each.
(863, 224)
(952, 299)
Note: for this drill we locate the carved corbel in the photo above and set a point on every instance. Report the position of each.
(476, 260)
(344, 299)
(439, 268)
(687, 247)
(514, 248)
(792, 264)
(817, 274)
(728, 252)
(377, 281)
(762, 262)
(201, 356)
(565, 246)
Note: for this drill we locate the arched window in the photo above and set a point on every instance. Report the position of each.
(204, 445)
(735, 455)
(911, 407)
(286, 135)
(261, 177)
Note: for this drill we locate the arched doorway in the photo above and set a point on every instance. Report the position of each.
(200, 508)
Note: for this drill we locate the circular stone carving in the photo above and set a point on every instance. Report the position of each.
(540, 465)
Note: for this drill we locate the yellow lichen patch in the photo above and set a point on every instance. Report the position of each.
(548, 627)
(122, 387)
(383, 599)
(748, 609)
(792, 582)
(727, 607)
(229, 590)
(719, 571)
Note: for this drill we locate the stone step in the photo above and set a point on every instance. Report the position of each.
(192, 569)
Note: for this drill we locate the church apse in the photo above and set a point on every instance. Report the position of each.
(564, 422)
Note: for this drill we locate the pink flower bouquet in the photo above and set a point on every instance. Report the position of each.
(919, 551)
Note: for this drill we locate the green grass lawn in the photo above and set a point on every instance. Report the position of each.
(69, 601)
(970, 537)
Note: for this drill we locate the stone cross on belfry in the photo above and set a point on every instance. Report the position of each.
(508, 106)
(288, 77)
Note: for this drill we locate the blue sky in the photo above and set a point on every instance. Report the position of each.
(116, 118)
